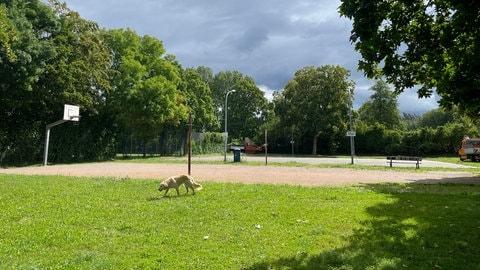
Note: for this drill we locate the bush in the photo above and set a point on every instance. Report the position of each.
(208, 143)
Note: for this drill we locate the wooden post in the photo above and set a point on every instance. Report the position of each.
(266, 148)
(189, 143)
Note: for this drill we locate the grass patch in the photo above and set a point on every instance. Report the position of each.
(455, 160)
(51, 222)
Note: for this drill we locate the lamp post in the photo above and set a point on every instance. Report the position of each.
(352, 134)
(226, 132)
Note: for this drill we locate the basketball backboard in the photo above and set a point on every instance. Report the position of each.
(71, 113)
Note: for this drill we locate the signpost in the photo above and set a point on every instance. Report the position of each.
(351, 134)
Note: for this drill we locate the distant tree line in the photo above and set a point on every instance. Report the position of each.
(136, 98)
(379, 126)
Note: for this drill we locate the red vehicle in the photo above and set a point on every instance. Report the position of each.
(251, 148)
(248, 147)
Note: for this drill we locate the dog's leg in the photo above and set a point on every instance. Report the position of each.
(166, 191)
(178, 193)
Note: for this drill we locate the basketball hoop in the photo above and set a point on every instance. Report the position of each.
(70, 113)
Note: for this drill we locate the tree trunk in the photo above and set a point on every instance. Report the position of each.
(314, 148)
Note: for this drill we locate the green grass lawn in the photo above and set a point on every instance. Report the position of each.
(50, 222)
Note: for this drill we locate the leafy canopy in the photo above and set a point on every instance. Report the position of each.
(382, 107)
(431, 44)
(7, 35)
(199, 100)
(146, 96)
(316, 101)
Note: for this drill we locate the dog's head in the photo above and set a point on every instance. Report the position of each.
(163, 186)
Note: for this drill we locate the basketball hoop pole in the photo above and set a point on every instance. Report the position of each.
(47, 139)
(71, 113)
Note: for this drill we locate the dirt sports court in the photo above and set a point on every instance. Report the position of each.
(271, 174)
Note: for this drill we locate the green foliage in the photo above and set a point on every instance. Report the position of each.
(199, 100)
(206, 74)
(438, 140)
(433, 44)
(247, 106)
(8, 34)
(132, 95)
(101, 223)
(146, 97)
(247, 110)
(317, 102)
(209, 143)
(90, 139)
(381, 108)
(435, 118)
(223, 82)
(377, 139)
(79, 72)
(60, 59)
(410, 120)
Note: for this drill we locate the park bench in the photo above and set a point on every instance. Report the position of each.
(404, 159)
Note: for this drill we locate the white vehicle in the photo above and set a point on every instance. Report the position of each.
(470, 149)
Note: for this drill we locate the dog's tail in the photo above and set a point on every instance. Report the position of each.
(195, 185)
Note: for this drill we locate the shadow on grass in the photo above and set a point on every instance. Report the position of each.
(475, 180)
(162, 197)
(169, 197)
(421, 226)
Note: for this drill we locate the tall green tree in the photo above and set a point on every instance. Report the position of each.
(247, 109)
(59, 58)
(381, 108)
(433, 44)
(147, 98)
(35, 51)
(80, 70)
(206, 74)
(316, 101)
(435, 118)
(19, 125)
(222, 83)
(199, 100)
(78, 74)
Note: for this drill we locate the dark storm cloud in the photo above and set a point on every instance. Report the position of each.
(268, 40)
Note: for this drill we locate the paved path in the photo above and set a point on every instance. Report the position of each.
(322, 160)
(242, 173)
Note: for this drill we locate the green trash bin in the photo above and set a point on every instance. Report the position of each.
(236, 155)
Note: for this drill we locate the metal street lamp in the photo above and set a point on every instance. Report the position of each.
(351, 134)
(226, 132)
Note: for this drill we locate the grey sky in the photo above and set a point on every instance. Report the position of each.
(268, 40)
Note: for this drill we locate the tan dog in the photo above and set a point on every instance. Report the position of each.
(176, 181)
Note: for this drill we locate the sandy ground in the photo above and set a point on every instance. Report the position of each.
(242, 173)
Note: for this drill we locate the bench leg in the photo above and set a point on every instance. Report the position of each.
(391, 163)
(418, 164)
